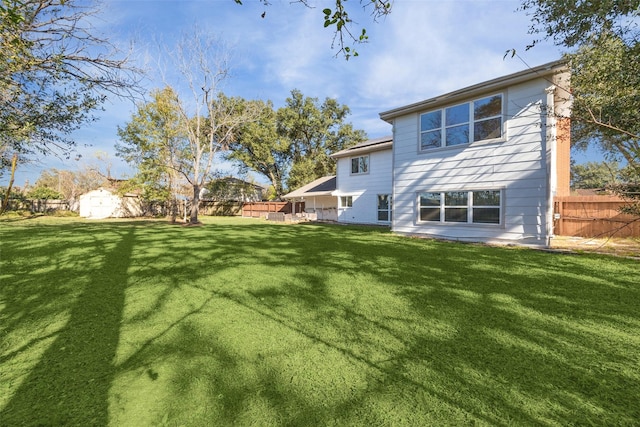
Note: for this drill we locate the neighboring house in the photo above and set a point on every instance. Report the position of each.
(484, 163)
(363, 182)
(320, 203)
(230, 189)
(103, 203)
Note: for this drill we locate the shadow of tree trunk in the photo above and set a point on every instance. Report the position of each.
(70, 384)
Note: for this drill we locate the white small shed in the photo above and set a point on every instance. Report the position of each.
(103, 203)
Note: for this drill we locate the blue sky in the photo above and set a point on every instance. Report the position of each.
(422, 49)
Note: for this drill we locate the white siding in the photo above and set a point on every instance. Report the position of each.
(517, 164)
(98, 204)
(364, 188)
(101, 203)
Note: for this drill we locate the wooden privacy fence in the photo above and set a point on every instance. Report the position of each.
(228, 208)
(39, 205)
(262, 209)
(593, 216)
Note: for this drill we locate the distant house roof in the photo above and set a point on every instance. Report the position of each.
(376, 144)
(231, 189)
(477, 90)
(234, 180)
(320, 187)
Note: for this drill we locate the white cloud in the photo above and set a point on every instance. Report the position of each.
(427, 48)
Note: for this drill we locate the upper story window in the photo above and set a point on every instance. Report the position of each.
(461, 124)
(359, 165)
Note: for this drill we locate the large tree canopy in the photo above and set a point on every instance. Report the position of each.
(594, 175)
(572, 23)
(604, 38)
(606, 87)
(259, 147)
(155, 141)
(316, 131)
(293, 145)
(54, 71)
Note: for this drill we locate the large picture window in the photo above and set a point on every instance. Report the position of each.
(360, 165)
(461, 124)
(477, 207)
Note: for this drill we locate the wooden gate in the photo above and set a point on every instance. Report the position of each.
(593, 216)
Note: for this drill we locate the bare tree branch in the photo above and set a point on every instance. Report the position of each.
(55, 71)
(210, 119)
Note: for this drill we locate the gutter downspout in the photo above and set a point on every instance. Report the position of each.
(393, 177)
(552, 140)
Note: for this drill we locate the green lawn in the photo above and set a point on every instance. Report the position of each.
(243, 322)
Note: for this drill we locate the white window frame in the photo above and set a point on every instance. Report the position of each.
(471, 123)
(388, 209)
(470, 206)
(346, 202)
(366, 163)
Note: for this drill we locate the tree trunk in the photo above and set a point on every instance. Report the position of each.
(194, 204)
(277, 185)
(5, 201)
(173, 203)
(173, 209)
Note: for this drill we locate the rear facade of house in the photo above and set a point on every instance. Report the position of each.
(483, 163)
(363, 182)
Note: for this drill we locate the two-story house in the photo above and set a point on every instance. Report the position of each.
(481, 163)
(363, 182)
(485, 162)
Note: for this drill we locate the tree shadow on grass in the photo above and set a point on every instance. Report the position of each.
(523, 332)
(70, 383)
(314, 325)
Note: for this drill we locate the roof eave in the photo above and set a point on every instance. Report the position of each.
(294, 195)
(477, 89)
(368, 149)
(307, 190)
